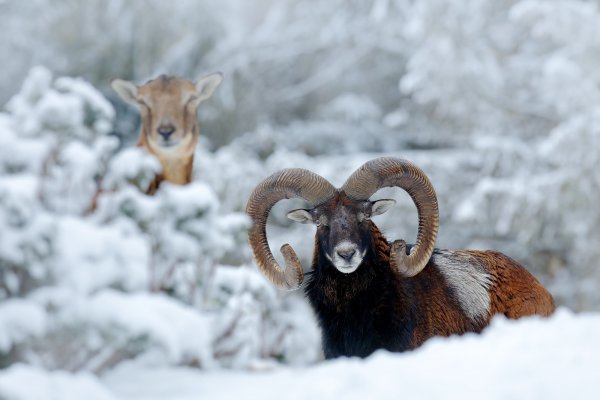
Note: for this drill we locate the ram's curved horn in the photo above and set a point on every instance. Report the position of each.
(395, 172)
(285, 184)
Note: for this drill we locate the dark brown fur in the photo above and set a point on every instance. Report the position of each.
(375, 308)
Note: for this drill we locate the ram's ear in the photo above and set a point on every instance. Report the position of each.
(380, 206)
(300, 215)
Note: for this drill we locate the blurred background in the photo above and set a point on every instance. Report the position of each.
(497, 100)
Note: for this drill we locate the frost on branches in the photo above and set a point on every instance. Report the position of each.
(521, 79)
(88, 281)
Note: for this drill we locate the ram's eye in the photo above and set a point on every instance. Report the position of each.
(362, 217)
(321, 221)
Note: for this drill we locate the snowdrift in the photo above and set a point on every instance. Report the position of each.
(533, 358)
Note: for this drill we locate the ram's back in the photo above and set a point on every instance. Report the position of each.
(486, 283)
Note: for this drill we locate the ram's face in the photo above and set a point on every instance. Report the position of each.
(343, 229)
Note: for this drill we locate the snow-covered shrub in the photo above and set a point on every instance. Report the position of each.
(242, 301)
(58, 130)
(94, 272)
(52, 150)
(97, 332)
(183, 227)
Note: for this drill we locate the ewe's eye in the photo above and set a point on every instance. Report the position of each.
(192, 99)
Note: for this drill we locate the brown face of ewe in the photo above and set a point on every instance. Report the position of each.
(343, 230)
(168, 108)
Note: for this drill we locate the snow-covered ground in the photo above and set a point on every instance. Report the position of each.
(555, 358)
(527, 359)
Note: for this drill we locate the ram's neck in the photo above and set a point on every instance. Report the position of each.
(363, 311)
(380, 247)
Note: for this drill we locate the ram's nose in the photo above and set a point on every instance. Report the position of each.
(346, 254)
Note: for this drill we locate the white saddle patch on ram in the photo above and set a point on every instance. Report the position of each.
(469, 281)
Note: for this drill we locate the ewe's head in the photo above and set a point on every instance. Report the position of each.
(343, 228)
(168, 106)
(342, 217)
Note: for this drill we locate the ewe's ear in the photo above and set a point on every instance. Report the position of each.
(380, 206)
(206, 86)
(126, 90)
(300, 215)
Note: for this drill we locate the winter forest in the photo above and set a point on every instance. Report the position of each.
(148, 297)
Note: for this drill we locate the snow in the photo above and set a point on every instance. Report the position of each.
(23, 382)
(104, 256)
(99, 109)
(20, 320)
(132, 165)
(532, 359)
(175, 329)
